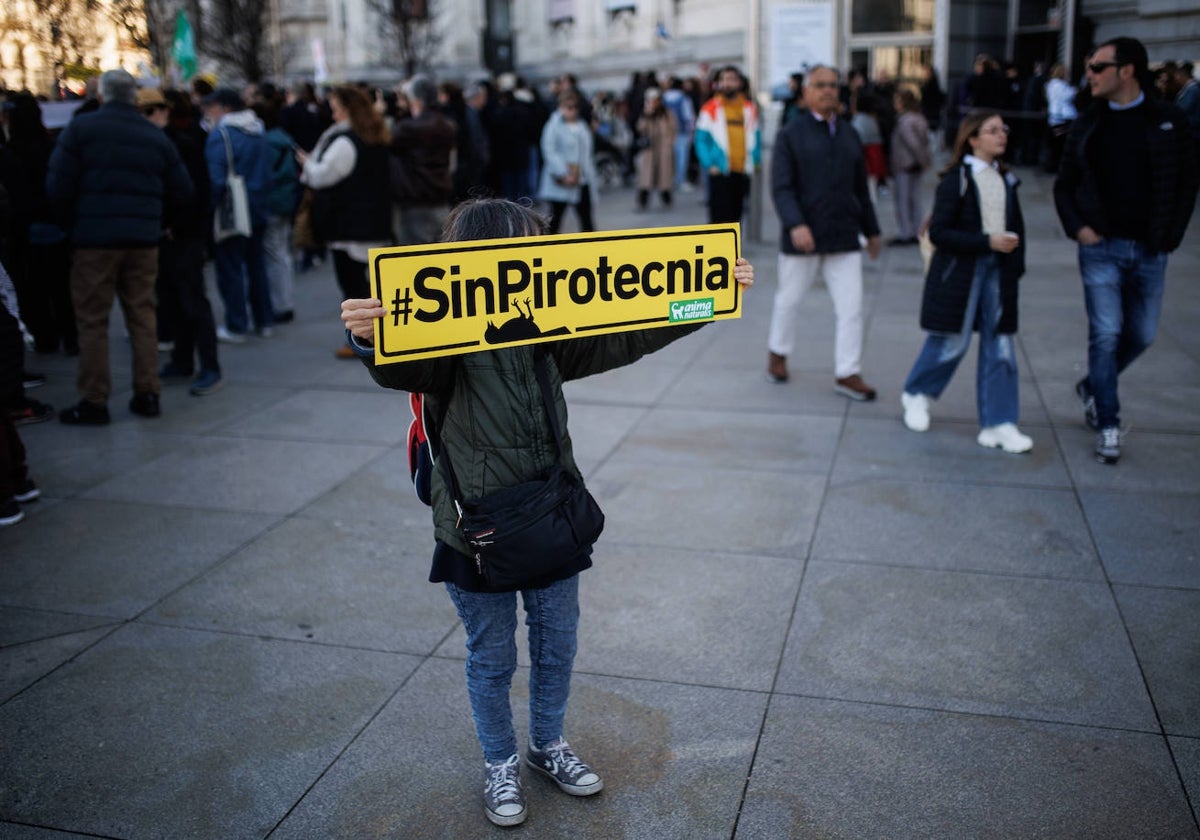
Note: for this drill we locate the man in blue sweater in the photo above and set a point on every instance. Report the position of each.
(109, 178)
(1125, 192)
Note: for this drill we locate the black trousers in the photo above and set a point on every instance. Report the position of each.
(185, 304)
(583, 210)
(727, 197)
(351, 276)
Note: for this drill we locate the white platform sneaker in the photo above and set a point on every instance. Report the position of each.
(1006, 436)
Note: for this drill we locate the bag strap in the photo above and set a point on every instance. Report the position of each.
(548, 403)
(228, 151)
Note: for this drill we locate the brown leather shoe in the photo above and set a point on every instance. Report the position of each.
(777, 367)
(854, 388)
(344, 352)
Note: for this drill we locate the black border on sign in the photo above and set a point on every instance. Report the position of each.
(657, 233)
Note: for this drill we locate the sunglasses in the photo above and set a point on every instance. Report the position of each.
(1098, 67)
(150, 109)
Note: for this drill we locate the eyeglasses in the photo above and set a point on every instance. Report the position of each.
(823, 84)
(1098, 67)
(1001, 130)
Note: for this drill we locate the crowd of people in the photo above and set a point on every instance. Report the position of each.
(129, 203)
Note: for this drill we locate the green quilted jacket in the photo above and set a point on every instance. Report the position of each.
(495, 427)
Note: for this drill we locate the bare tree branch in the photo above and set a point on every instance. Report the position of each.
(410, 30)
(235, 34)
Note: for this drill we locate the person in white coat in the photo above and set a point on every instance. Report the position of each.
(567, 172)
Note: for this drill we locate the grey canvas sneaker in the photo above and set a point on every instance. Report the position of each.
(503, 799)
(1108, 445)
(558, 762)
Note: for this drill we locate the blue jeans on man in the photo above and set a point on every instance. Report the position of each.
(1123, 289)
(241, 276)
(996, 382)
(490, 620)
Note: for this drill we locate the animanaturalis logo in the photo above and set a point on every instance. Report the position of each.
(700, 309)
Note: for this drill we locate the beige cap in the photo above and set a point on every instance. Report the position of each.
(150, 96)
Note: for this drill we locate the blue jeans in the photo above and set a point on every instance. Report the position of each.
(490, 619)
(241, 266)
(1123, 288)
(996, 377)
(683, 147)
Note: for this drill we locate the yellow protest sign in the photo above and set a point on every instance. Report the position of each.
(461, 297)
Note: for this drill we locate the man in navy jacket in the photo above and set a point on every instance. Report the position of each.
(109, 178)
(819, 185)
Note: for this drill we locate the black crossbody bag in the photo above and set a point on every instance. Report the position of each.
(520, 535)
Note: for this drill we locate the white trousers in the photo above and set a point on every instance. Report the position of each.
(843, 277)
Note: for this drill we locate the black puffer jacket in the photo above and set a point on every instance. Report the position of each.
(956, 229)
(821, 181)
(1173, 176)
(111, 174)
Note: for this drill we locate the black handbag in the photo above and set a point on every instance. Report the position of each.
(520, 535)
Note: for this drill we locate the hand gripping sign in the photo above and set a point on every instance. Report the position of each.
(461, 297)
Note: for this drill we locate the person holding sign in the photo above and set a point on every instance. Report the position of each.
(499, 417)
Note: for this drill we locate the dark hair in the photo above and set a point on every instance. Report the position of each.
(1131, 51)
(268, 112)
(968, 128)
(492, 218)
(908, 99)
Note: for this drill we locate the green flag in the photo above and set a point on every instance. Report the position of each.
(184, 48)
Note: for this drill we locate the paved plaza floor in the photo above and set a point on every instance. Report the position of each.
(803, 621)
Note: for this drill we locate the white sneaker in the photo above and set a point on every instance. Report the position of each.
(226, 336)
(1006, 436)
(916, 411)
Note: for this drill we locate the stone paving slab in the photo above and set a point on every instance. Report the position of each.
(673, 758)
(23, 664)
(639, 622)
(20, 626)
(159, 732)
(1018, 647)
(1165, 629)
(732, 440)
(847, 770)
(266, 476)
(713, 509)
(1004, 530)
(1187, 755)
(329, 582)
(884, 449)
(1145, 538)
(115, 559)
(71, 458)
(1151, 462)
(345, 417)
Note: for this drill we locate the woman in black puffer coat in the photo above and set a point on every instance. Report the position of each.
(971, 285)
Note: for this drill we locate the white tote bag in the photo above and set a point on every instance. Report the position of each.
(233, 214)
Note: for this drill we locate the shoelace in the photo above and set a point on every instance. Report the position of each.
(566, 757)
(502, 779)
(1112, 437)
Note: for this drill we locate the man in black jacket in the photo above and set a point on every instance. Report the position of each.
(1125, 192)
(423, 145)
(110, 176)
(819, 185)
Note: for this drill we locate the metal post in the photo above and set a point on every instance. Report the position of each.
(754, 72)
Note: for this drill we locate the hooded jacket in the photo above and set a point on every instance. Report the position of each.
(251, 160)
